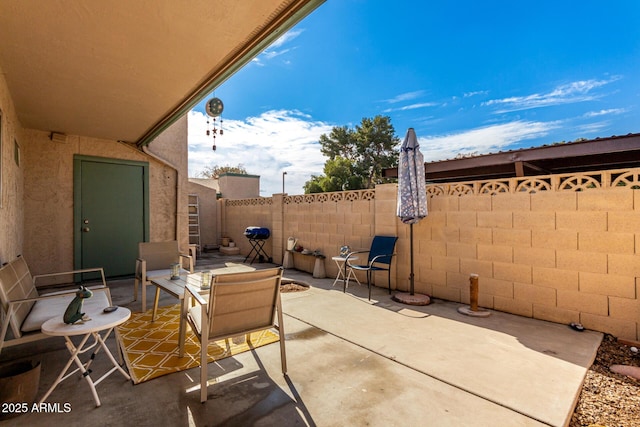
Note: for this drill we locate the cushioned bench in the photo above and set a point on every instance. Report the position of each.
(24, 309)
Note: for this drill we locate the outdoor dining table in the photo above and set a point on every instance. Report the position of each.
(176, 288)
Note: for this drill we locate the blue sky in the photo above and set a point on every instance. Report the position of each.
(468, 76)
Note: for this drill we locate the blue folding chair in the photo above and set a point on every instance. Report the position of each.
(379, 259)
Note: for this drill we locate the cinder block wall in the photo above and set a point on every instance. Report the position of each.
(242, 213)
(327, 221)
(562, 248)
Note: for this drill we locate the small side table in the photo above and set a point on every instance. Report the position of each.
(98, 323)
(340, 261)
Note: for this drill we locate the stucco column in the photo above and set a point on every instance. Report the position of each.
(386, 224)
(222, 219)
(277, 228)
(385, 208)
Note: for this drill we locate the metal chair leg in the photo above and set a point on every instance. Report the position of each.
(344, 281)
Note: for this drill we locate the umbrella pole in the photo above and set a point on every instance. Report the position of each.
(411, 297)
(411, 288)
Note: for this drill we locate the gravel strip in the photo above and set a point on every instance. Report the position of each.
(609, 399)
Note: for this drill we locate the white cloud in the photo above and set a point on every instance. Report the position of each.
(274, 50)
(270, 54)
(578, 91)
(419, 105)
(266, 145)
(407, 96)
(591, 114)
(286, 38)
(411, 107)
(482, 140)
(594, 128)
(475, 93)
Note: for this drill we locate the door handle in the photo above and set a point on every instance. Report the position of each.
(85, 229)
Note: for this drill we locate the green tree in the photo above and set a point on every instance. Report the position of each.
(356, 156)
(215, 171)
(338, 175)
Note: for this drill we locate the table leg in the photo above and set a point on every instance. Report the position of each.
(116, 366)
(183, 320)
(119, 348)
(87, 376)
(144, 296)
(74, 351)
(340, 274)
(84, 367)
(155, 304)
(353, 274)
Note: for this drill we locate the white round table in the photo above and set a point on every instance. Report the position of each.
(340, 262)
(99, 326)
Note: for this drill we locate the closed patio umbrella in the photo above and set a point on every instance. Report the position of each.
(412, 202)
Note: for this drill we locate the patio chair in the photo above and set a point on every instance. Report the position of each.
(238, 304)
(379, 259)
(154, 261)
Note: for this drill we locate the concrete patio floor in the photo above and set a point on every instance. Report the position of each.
(350, 362)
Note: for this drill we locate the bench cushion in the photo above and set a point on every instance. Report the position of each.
(45, 309)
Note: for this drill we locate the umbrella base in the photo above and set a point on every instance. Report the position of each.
(415, 299)
(477, 313)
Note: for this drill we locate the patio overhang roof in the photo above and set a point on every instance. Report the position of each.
(125, 70)
(616, 152)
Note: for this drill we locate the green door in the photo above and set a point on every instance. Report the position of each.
(110, 213)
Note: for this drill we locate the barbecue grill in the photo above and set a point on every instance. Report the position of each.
(257, 238)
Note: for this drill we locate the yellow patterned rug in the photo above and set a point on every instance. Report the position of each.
(151, 348)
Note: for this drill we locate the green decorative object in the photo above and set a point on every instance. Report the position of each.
(214, 107)
(73, 312)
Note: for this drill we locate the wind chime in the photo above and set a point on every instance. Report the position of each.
(214, 109)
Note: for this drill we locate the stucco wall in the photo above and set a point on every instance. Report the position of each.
(11, 179)
(170, 149)
(562, 248)
(48, 197)
(36, 209)
(239, 186)
(208, 212)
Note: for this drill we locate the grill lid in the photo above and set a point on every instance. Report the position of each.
(257, 233)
